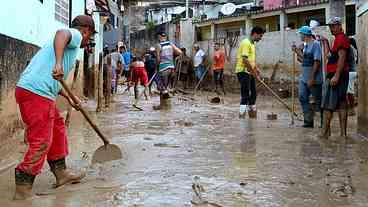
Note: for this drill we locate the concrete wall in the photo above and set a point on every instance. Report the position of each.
(272, 49)
(145, 39)
(14, 55)
(187, 33)
(363, 73)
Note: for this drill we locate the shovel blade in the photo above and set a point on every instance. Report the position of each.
(107, 153)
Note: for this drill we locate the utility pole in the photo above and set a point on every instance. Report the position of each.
(187, 9)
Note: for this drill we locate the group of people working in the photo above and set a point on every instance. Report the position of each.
(324, 81)
(39, 86)
(164, 65)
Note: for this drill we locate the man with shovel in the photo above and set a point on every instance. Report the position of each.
(247, 71)
(165, 60)
(310, 83)
(218, 67)
(36, 95)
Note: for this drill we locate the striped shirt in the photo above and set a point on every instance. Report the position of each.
(166, 56)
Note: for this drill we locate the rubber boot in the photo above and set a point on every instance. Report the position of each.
(63, 175)
(326, 129)
(252, 112)
(308, 120)
(165, 103)
(243, 110)
(165, 94)
(23, 185)
(343, 118)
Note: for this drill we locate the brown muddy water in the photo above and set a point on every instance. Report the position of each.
(201, 146)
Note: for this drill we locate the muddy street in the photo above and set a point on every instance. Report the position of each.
(201, 154)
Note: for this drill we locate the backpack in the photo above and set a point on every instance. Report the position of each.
(352, 55)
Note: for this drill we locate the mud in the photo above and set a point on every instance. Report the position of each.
(203, 146)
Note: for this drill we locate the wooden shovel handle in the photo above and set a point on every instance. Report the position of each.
(277, 97)
(85, 114)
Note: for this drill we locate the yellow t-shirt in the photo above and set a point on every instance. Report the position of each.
(248, 49)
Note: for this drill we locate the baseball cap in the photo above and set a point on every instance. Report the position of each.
(334, 20)
(313, 24)
(84, 21)
(305, 30)
(163, 34)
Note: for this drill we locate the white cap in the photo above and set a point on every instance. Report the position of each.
(313, 24)
(120, 44)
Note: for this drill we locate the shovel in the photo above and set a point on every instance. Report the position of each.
(278, 98)
(105, 153)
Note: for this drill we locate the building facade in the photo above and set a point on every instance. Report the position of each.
(113, 31)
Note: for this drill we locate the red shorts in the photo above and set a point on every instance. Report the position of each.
(140, 75)
(45, 131)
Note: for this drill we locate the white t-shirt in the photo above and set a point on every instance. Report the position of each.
(198, 58)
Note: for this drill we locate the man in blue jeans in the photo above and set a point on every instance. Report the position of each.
(310, 83)
(199, 62)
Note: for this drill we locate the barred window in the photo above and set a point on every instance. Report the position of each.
(62, 11)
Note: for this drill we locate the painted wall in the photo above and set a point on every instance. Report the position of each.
(277, 4)
(25, 26)
(271, 4)
(34, 21)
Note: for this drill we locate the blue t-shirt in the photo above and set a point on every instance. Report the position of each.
(127, 60)
(312, 52)
(37, 77)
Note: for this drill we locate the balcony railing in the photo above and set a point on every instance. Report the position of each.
(272, 5)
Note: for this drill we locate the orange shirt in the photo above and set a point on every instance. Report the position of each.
(219, 60)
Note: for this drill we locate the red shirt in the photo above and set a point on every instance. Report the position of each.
(219, 60)
(341, 42)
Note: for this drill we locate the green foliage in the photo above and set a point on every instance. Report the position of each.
(150, 25)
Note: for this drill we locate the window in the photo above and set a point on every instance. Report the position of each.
(62, 11)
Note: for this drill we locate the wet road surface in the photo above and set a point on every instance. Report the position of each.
(229, 162)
